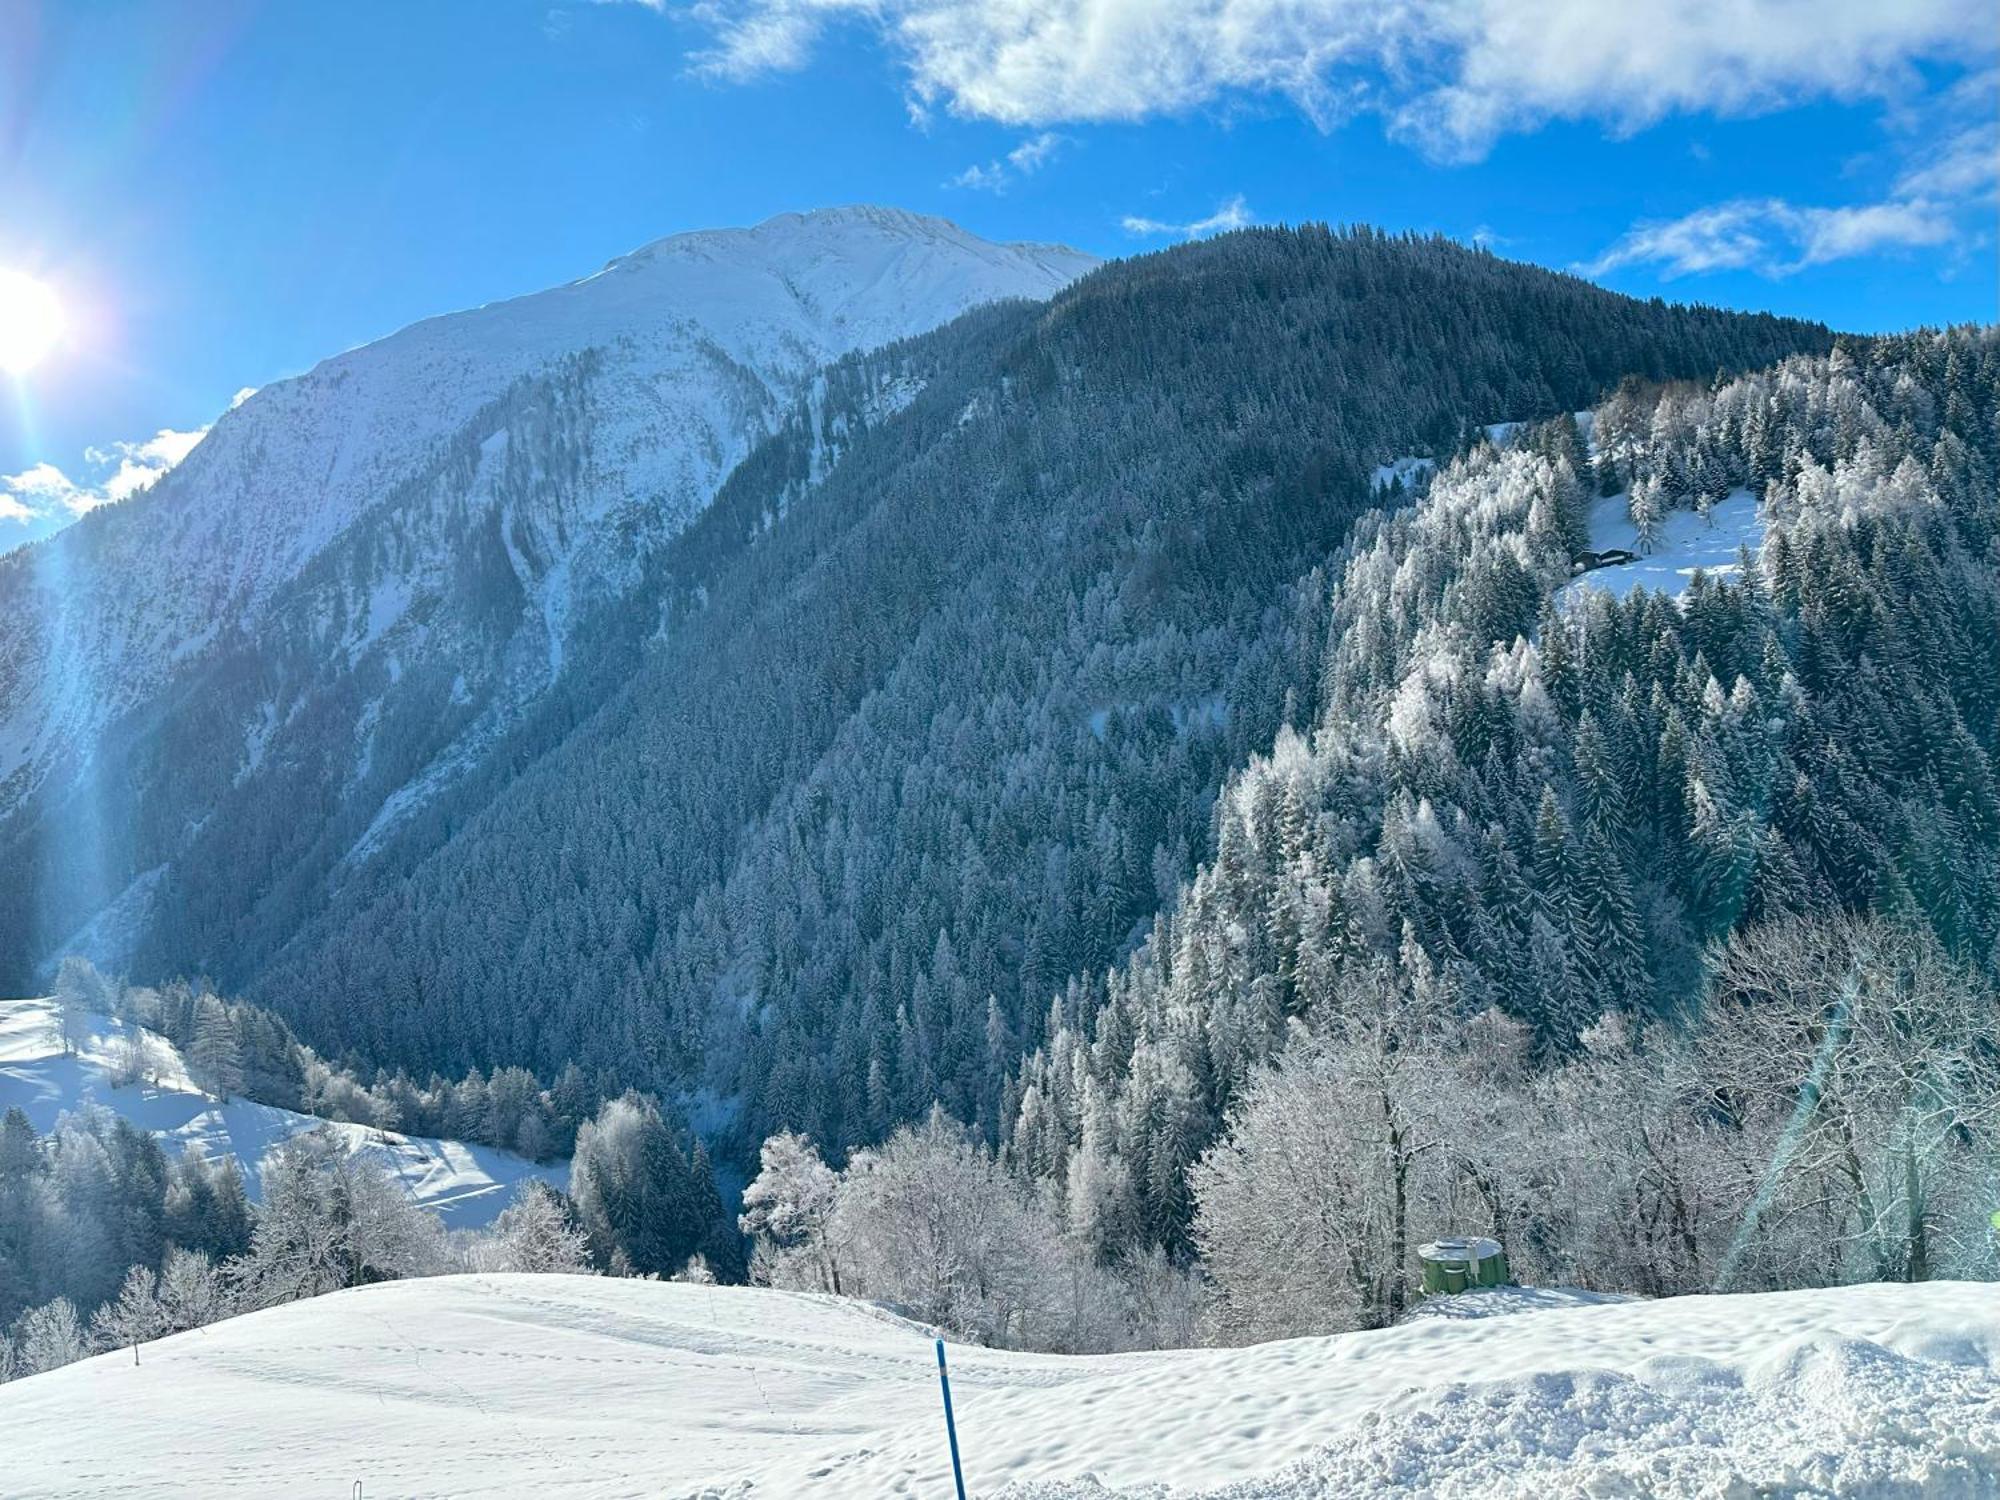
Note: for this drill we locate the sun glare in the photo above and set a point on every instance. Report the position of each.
(31, 322)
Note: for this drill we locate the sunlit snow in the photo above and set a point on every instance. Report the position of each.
(545, 1385)
(465, 1185)
(1688, 542)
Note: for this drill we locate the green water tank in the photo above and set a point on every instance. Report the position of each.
(1461, 1265)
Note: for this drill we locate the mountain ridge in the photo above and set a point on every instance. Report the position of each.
(446, 498)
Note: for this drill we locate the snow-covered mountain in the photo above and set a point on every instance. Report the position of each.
(539, 1385)
(441, 504)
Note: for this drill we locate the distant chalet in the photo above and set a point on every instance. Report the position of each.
(1614, 557)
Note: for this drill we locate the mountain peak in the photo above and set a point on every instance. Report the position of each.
(697, 346)
(799, 230)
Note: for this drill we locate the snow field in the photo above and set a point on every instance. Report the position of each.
(1688, 541)
(524, 1385)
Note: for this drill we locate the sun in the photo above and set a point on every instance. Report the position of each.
(31, 322)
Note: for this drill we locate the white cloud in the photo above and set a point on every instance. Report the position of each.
(1231, 214)
(1773, 237)
(43, 497)
(1024, 160)
(1825, 234)
(1451, 76)
(1945, 153)
(990, 178)
(1965, 166)
(133, 466)
(1035, 153)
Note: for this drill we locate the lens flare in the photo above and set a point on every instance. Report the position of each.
(31, 322)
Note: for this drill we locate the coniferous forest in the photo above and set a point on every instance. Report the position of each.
(928, 714)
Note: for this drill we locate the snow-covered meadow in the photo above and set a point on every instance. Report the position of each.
(465, 1185)
(541, 1385)
(1688, 542)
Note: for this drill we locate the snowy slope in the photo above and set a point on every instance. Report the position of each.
(694, 338)
(363, 575)
(465, 1185)
(1688, 542)
(515, 1385)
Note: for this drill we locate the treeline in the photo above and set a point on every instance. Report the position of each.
(234, 1048)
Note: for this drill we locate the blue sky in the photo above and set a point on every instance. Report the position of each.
(224, 192)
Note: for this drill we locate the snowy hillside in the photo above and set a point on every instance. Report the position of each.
(363, 575)
(691, 344)
(514, 1385)
(465, 1185)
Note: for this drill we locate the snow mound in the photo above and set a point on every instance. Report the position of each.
(467, 1186)
(535, 1385)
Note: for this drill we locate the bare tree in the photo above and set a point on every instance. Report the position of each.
(1866, 1052)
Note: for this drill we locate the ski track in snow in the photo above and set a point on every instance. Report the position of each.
(541, 1385)
(465, 1185)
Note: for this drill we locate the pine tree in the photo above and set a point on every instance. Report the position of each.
(214, 1057)
(1609, 953)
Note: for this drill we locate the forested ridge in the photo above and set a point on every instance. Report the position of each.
(1572, 907)
(927, 713)
(1653, 936)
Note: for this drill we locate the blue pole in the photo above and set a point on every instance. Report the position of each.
(950, 1427)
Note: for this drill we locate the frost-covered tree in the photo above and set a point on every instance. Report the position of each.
(49, 1337)
(136, 1057)
(1865, 1051)
(788, 1211)
(213, 1054)
(330, 1219)
(537, 1232)
(81, 994)
(933, 1223)
(134, 1317)
(192, 1291)
(644, 1201)
(1306, 1209)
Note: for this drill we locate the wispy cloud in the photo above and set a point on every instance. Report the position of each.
(1949, 172)
(1026, 159)
(1035, 152)
(1773, 237)
(43, 497)
(1451, 76)
(1230, 214)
